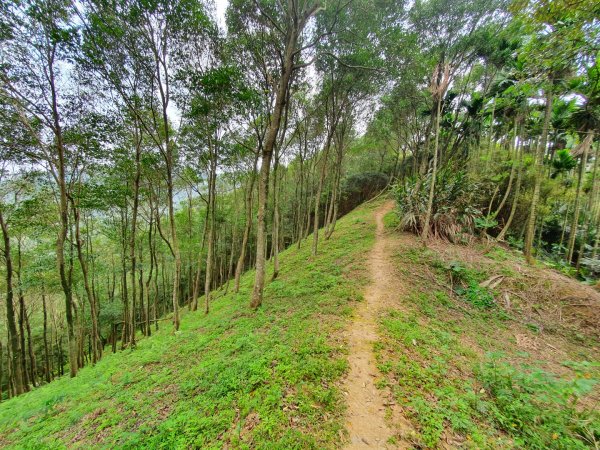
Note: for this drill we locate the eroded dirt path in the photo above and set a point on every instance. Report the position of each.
(370, 410)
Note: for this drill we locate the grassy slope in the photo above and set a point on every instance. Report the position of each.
(237, 378)
(471, 369)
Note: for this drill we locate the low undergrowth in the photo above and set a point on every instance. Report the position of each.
(235, 378)
(451, 359)
(453, 215)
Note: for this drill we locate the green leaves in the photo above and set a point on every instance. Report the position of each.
(539, 408)
(563, 162)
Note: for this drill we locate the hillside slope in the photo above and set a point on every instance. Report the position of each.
(443, 346)
(483, 351)
(234, 378)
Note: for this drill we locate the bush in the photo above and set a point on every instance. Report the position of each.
(359, 188)
(453, 217)
(538, 408)
(465, 283)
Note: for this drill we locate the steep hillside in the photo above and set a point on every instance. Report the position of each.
(483, 351)
(234, 378)
(378, 342)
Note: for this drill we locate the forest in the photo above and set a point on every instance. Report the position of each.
(157, 156)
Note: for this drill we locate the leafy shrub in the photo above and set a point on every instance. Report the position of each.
(478, 296)
(563, 162)
(539, 409)
(465, 283)
(359, 188)
(453, 217)
(515, 242)
(484, 223)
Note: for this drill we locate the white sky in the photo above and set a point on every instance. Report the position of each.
(220, 8)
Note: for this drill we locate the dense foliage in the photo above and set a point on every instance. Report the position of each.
(151, 152)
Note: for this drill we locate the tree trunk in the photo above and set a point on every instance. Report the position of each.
(512, 173)
(336, 187)
(425, 232)
(596, 210)
(239, 268)
(196, 293)
(324, 157)
(150, 273)
(97, 344)
(267, 153)
(133, 233)
(45, 336)
(125, 332)
(234, 227)
(1, 370)
(145, 324)
(65, 279)
(211, 230)
(515, 201)
(576, 209)
(590, 210)
(27, 376)
(32, 361)
(15, 363)
(539, 166)
(275, 243)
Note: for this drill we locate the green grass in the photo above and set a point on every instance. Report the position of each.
(391, 221)
(262, 379)
(450, 362)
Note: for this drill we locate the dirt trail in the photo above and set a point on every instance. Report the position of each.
(367, 405)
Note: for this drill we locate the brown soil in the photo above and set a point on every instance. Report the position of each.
(370, 410)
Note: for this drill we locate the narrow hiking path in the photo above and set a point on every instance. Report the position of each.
(370, 409)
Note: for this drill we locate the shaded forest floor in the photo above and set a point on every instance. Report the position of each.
(467, 347)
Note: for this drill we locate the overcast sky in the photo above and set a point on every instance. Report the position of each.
(221, 6)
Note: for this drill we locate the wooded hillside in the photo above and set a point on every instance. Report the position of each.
(152, 152)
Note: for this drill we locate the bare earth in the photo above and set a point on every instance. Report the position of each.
(371, 411)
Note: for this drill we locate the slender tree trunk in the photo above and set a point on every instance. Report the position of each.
(150, 273)
(1, 370)
(576, 209)
(512, 173)
(267, 153)
(97, 344)
(324, 158)
(190, 283)
(425, 233)
(65, 279)
(32, 361)
(596, 210)
(125, 332)
(45, 336)
(175, 245)
(539, 167)
(61, 362)
(211, 230)
(275, 243)
(155, 302)
(515, 201)
(234, 228)
(15, 364)
(145, 324)
(196, 293)
(336, 187)
(590, 210)
(27, 375)
(489, 152)
(239, 268)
